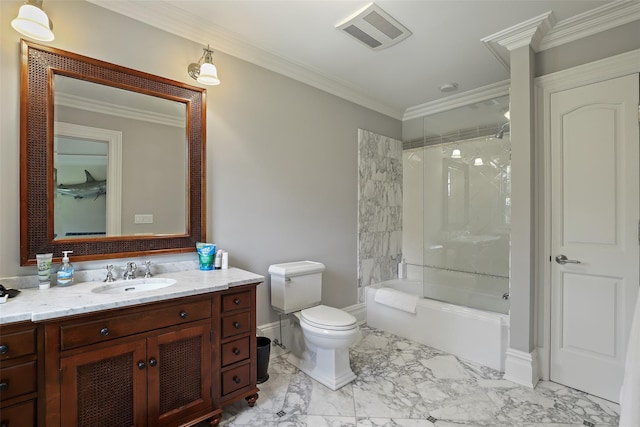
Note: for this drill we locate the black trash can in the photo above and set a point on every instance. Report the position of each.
(264, 350)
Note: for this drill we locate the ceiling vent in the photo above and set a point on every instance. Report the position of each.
(375, 28)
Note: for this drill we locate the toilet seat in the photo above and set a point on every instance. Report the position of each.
(324, 317)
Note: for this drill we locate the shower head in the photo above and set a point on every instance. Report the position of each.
(500, 133)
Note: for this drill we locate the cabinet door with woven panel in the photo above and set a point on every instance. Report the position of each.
(179, 374)
(105, 387)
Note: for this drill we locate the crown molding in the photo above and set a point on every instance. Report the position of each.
(528, 33)
(554, 34)
(87, 104)
(173, 20)
(459, 100)
(591, 22)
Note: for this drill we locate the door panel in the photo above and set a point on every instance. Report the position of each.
(594, 214)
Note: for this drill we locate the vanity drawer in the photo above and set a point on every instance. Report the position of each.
(236, 301)
(78, 334)
(236, 378)
(20, 415)
(18, 380)
(236, 324)
(235, 351)
(17, 344)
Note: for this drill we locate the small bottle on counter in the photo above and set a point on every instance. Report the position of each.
(65, 271)
(217, 263)
(225, 260)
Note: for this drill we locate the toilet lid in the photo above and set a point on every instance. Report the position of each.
(325, 317)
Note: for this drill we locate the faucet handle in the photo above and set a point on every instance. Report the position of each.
(147, 269)
(109, 277)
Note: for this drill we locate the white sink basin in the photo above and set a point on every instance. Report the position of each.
(134, 285)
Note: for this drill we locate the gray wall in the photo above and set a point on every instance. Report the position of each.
(282, 167)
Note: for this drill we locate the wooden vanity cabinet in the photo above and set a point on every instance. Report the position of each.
(141, 366)
(173, 363)
(19, 375)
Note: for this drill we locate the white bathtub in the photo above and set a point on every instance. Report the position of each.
(475, 335)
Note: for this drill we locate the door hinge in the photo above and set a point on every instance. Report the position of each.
(60, 379)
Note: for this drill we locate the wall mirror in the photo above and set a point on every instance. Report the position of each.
(112, 159)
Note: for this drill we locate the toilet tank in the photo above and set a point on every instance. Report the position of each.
(296, 285)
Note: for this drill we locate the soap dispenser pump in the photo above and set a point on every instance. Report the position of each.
(65, 272)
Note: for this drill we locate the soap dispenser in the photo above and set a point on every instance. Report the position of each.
(65, 272)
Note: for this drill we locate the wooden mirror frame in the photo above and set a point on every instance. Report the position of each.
(38, 66)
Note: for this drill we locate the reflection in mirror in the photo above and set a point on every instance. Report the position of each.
(105, 136)
(112, 159)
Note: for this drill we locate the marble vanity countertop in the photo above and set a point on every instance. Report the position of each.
(38, 305)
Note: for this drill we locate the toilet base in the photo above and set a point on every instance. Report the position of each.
(329, 367)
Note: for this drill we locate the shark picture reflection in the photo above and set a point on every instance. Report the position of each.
(90, 188)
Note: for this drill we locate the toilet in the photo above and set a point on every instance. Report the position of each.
(322, 335)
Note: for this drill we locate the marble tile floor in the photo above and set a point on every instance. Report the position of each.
(406, 384)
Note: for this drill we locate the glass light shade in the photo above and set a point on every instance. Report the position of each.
(507, 115)
(456, 154)
(478, 162)
(208, 74)
(32, 22)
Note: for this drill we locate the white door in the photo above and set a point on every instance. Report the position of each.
(595, 213)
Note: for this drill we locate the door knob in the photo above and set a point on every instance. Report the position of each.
(561, 259)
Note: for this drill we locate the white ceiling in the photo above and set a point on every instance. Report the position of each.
(299, 39)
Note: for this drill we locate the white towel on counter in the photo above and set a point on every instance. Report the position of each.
(396, 299)
(630, 391)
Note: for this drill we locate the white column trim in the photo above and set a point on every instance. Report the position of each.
(521, 367)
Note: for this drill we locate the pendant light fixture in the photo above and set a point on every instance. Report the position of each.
(204, 71)
(33, 22)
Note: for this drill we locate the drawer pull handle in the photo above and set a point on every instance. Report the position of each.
(4, 386)
(141, 365)
(236, 325)
(4, 349)
(183, 314)
(236, 301)
(153, 362)
(236, 379)
(236, 351)
(104, 332)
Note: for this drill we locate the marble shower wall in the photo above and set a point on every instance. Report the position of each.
(379, 208)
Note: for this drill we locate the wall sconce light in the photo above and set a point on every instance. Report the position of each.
(33, 22)
(456, 154)
(204, 71)
(478, 161)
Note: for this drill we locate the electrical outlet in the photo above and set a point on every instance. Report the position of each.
(143, 219)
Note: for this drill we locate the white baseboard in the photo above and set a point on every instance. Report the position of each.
(521, 367)
(359, 311)
(272, 330)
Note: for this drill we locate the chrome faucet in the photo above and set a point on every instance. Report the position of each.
(109, 278)
(147, 269)
(130, 272)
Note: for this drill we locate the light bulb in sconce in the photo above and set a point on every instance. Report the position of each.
(478, 161)
(33, 22)
(456, 154)
(204, 71)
